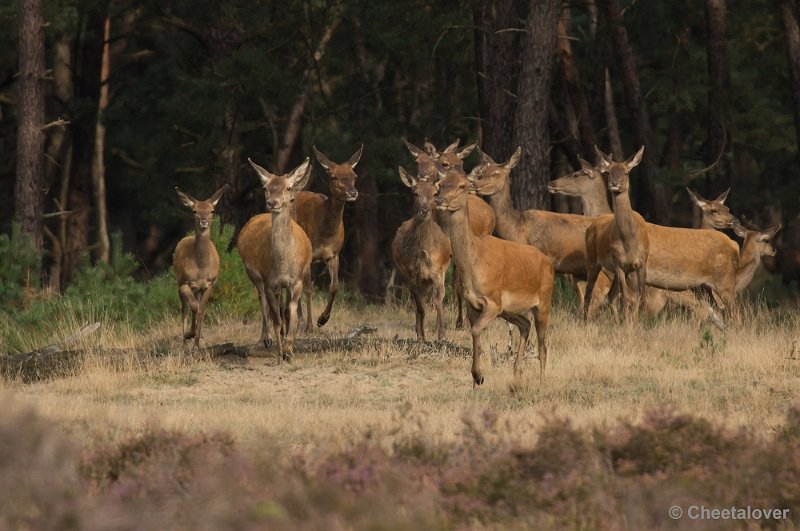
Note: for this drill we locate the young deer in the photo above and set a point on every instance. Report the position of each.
(321, 219)
(499, 278)
(277, 253)
(755, 245)
(421, 252)
(481, 218)
(619, 242)
(196, 264)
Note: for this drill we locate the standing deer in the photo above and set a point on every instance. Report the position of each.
(755, 245)
(421, 252)
(277, 253)
(196, 264)
(320, 217)
(481, 218)
(498, 278)
(619, 242)
(588, 185)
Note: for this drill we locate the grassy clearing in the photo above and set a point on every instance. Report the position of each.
(597, 373)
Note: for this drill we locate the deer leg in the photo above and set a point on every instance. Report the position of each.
(333, 271)
(184, 313)
(456, 287)
(201, 312)
(524, 325)
(613, 294)
(419, 305)
(308, 287)
(541, 318)
(294, 301)
(274, 302)
(188, 299)
(438, 304)
(591, 278)
(479, 322)
(622, 281)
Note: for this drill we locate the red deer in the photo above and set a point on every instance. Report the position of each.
(481, 219)
(755, 245)
(498, 278)
(421, 252)
(196, 264)
(277, 253)
(320, 217)
(619, 242)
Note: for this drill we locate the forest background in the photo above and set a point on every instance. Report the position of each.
(107, 105)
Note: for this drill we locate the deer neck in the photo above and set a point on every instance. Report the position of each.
(282, 238)
(462, 242)
(749, 260)
(624, 217)
(331, 215)
(596, 203)
(509, 220)
(202, 247)
(705, 222)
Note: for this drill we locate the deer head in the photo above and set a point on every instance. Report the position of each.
(342, 176)
(203, 210)
(453, 190)
(424, 192)
(280, 190)
(714, 210)
(489, 177)
(756, 241)
(425, 158)
(452, 157)
(618, 172)
(585, 182)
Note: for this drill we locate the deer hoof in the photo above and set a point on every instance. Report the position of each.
(477, 381)
(286, 356)
(188, 335)
(460, 324)
(267, 343)
(322, 320)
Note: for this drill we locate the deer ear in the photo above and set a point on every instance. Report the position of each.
(186, 199)
(699, 201)
(586, 165)
(739, 229)
(406, 177)
(414, 150)
(324, 161)
(767, 235)
(635, 160)
(452, 147)
(603, 160)
(429, 148)
(723, 196)
(299, 177)
(514, 160)
(217, 195)
(356, 157)
(263, 174)
(464, 153)
(477, 173)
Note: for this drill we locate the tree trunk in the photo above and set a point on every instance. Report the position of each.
(719, 83)
(652, 197)
(87, 86)
(791, 27)
(497, 68)
(614, 139)
(28, 192)
(529, 188)
(569, 70)
(98, 162)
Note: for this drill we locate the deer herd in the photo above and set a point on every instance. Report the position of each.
(504, 260)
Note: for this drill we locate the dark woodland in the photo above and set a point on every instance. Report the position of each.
(107, 105)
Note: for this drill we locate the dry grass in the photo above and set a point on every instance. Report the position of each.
(597, 373)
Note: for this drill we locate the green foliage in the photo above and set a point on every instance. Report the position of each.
(19, 267)
(234, 294)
